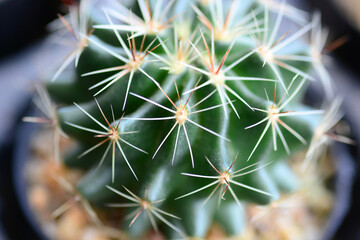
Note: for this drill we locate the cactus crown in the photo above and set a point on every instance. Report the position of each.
(179, 101)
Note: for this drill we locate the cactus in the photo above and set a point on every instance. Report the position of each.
(185, 110)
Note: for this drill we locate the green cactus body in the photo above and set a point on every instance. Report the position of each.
(195, 108)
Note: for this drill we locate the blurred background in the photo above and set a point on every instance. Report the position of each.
(25, 53)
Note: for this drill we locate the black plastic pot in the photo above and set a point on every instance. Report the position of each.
(21, 23)
(24, 135)
(16, 217)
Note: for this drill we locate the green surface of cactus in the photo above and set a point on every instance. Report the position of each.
(188, 107)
